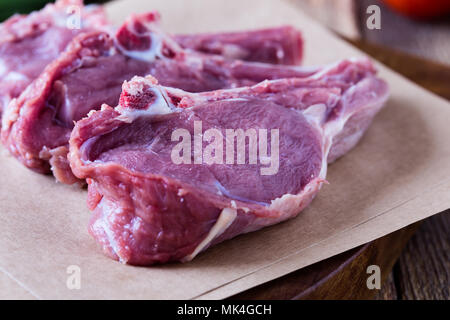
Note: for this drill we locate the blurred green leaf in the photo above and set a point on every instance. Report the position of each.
(10, 7)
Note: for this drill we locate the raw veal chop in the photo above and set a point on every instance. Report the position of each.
(162, 183)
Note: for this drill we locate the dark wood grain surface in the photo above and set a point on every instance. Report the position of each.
(389, 289)
(422, 271)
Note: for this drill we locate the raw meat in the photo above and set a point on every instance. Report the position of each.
(36, 126)
(29, 42)
(149, 208)
(282, 45)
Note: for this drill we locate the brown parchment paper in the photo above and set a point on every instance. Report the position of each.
(398, 174)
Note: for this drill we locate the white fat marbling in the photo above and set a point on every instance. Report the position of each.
(226, 218)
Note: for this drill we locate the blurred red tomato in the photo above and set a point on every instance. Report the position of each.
(421, 9)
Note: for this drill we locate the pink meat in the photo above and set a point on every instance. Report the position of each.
(148, 209)
(37, 125)
(281, 45)
(28, 43)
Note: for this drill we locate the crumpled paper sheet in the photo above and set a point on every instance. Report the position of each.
(397, 175)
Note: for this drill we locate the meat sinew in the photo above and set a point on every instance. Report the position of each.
(147, 209)
(36, 126)
(28, 43)
(280, 45)
(154, 201)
